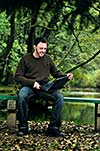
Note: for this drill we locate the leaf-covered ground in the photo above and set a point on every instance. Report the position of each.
(77, 138)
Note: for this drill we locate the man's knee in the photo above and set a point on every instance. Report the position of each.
(24, 93)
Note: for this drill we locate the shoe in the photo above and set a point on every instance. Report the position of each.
(54, 132)
(22, 131)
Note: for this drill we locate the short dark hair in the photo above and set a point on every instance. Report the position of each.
(39, 39)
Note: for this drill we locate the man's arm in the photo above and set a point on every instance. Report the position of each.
(20, 75)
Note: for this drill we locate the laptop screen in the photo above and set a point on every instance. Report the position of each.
(55, 85)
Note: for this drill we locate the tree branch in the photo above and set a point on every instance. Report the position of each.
(85, 62)
(69, 50)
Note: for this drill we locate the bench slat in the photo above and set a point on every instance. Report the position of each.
(8, 97)
(96, 101)
(82, 100)
(66, 99)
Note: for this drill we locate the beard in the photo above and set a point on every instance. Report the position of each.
(40, 54)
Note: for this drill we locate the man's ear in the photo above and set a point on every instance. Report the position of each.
(34, 47)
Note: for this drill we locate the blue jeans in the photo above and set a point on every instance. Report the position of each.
(22, 104)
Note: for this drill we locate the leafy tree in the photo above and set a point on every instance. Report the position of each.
(71, 27)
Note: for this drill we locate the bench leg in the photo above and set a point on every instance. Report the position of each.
(97, 117)
(11, 115)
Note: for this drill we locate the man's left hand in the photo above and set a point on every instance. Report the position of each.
(70, 76)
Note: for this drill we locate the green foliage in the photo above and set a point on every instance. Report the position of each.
(16, 53)
(4, 30)
(78, 113)
(66, 47)
(88, 80)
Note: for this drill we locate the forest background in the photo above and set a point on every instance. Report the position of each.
(71, 27)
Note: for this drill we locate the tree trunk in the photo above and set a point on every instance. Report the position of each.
(35, 10)
(53, 22)
(4, 57)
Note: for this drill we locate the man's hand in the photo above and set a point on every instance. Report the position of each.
(70, 76)
(36, 85)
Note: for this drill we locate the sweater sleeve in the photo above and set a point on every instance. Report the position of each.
(20, 75)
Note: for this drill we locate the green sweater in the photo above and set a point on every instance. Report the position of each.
(31, 69)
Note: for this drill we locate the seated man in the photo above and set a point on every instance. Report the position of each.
(33, 70)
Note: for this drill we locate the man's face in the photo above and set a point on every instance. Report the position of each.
(40, 49)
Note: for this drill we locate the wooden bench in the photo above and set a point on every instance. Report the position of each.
(11, 108)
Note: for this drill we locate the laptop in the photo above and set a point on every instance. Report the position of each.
(55, 85)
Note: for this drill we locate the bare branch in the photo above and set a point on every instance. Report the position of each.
(69, 50)
(85, 62)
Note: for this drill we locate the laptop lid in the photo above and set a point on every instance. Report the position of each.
(55, 85)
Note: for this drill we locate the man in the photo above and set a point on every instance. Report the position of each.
(33, 70)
